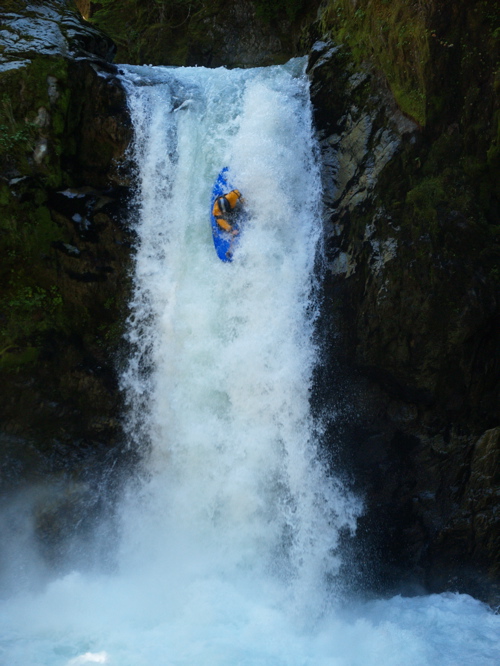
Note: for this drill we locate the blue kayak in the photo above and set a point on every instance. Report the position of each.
(223, 241)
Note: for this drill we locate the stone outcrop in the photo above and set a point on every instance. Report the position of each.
(412, 302)
(31, 29)
(65, 249)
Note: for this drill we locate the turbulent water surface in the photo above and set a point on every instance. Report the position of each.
(225, 550)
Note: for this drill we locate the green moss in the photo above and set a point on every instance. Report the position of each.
(493, 155)
(473, 166)
(421, 212)
(38, 301)
(29, 311)
(11, 5)
(153, 31)
(12, 357)
(46, 232)
(426, 194)
(16, 136)
(394, 35)
(30, 302)
(59, 116)
(410, 101)
(493, 152)
(25, 92)
(37, 73)
(274, 11)
(4, 198)
(445, 151)
(174, 32)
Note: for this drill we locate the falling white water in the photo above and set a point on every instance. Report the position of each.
(228, 552)
(236, 487)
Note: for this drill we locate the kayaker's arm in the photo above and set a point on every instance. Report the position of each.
(224, 224)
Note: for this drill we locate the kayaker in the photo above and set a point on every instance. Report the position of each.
(225, 207)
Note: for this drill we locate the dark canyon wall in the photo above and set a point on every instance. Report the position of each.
(65, 255)
(407, 109)
(406, 106)
(412, 297)
(211, 33)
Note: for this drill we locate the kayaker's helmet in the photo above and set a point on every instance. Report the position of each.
(224, 205)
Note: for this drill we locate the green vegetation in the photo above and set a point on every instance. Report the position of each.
(153, 31)
(394, 35)
(15, 136)
(447, 79)
(25, 94)
(30, 300)
(418, 58)
(174, 32)
(274, 11)
(32, 310)
(425, 197)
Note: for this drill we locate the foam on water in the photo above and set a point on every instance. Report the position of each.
(228, 550)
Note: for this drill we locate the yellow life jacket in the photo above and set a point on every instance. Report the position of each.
(224, 205)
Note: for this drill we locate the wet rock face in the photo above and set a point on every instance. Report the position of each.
(213, 33)
(412, 310)
(357, 143)
(32, 29)
(239, 39)
(65, 244)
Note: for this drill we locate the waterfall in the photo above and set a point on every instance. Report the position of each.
(228, 550)
(224, 353)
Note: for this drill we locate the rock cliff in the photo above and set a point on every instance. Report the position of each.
(65, 248)
(412, 291)
(211, 33)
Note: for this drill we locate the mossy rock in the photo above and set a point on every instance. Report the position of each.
(204, 32)
(394, 36)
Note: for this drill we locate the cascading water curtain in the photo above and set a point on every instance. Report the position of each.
(237, 490)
